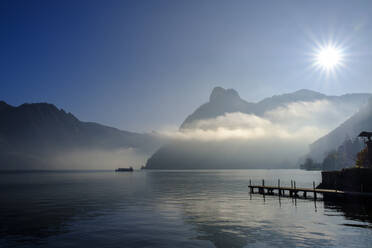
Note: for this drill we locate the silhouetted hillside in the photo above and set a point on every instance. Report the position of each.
(32, 134)
(361, 121)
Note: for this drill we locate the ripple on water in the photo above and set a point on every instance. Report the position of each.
(171, 209)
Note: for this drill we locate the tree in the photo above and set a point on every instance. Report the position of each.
(310, 165)
(362, 158)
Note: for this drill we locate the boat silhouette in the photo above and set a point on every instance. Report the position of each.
(130, 169)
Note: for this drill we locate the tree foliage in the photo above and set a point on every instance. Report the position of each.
(345, 156)
(309, 164)
(362, 159)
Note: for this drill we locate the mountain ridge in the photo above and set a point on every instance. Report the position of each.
(41, 130)
(186, 154)
(223, 101)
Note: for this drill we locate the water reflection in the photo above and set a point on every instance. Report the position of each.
(356, 209)
(224, 213)
(171, 209)
(35, 206)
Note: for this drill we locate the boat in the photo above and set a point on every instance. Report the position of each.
(130, 169)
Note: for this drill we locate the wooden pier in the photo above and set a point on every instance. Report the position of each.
(293, 191)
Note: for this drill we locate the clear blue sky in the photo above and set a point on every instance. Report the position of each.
(142, 65)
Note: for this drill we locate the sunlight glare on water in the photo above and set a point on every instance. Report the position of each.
(170, 209)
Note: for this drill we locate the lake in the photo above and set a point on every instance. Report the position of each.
(172, 209)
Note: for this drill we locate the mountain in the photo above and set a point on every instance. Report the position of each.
(4, 105)
(273, 112)
(220, 101)
(223, 101)
(33, 135)
(361, 121)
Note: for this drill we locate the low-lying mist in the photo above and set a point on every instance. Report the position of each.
(276, 139)
(74, 159)
(301, 121)
(99, 159)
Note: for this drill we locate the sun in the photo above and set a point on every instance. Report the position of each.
(328, 58)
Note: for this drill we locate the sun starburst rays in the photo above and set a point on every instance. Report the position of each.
(329, 58)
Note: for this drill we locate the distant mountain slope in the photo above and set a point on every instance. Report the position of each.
(223, 101)
(361, 121)
(32, 134)
(182, 154)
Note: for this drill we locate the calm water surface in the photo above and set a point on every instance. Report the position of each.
(172, 209)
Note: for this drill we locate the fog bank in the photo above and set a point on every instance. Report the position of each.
(274, 140)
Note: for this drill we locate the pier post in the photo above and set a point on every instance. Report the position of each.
(250, 186)
(263, 186)
(295, 191)
(280, 191)
(314, 190)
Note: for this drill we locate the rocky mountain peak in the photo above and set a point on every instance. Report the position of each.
(219, 93)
